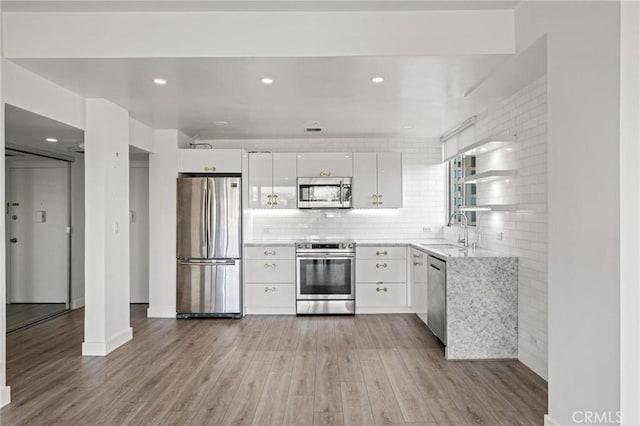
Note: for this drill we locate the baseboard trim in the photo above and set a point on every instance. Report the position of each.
(5, 395)
(105, 348)
(77, 303)
(404, 310)
(549, 421)
(270, 311)
(161, 312)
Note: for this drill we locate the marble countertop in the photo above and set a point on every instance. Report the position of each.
(430, 246)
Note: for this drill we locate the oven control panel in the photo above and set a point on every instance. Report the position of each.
(325, 246)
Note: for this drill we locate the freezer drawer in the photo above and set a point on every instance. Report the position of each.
(209, 288)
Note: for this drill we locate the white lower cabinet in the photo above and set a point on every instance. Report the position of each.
(381, 279)
(419, 283)
(269, 276)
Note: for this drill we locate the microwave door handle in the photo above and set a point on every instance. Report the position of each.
(341, 193)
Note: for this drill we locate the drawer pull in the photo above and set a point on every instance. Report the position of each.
(381, 265)
(272, 253)
(382, 253)
(269, 289)
(419, 256)
(275, 203)
(269, 265)
(379, 196)
(378, 289)
(275, 195)
(417, 263)
(210, 169)
(325, 174)
(269, 196)
(269, 203)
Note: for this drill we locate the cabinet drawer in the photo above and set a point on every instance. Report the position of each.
(270, 271)
(268, 253)
(270, 295)
(381, 271)
(210, 161)
(393, 295)
(381, 252)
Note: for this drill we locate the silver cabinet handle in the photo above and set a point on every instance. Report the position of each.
(269, 265)
(381, 265)
(382, 253)
(272, 253)
(268, 289)
(210, 169)
(325, 174)
(378, 289)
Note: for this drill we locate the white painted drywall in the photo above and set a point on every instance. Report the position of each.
(5, 391)
(77, 232)
(163, 171)
(107, 324)
(140, 135)
(139, 231)
(629, 213)
(167, 34)
(39, 260)
(584, 203)
(29, 91)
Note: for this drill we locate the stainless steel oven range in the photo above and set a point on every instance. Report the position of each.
(325, 277)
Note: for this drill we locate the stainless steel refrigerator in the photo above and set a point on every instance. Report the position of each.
(209, 247)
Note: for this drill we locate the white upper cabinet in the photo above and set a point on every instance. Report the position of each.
(272, 180)
(210, 161)
(325, 164)
(377, 180)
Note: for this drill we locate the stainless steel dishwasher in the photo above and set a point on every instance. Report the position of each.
(436, 299)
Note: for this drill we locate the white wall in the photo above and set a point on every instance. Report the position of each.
(250, 34)
(524, 232)
(163, 171)
(77, 232)
(583, 68)
(629, 213)
(139, 228)
(107, 324)
(29, 91)
(423, 186)
(38, 264)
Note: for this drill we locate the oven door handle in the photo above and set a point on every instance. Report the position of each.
(347, 256)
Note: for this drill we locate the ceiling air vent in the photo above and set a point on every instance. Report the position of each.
(313, 129)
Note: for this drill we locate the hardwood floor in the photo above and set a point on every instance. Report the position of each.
(262, 370)
(22, 314)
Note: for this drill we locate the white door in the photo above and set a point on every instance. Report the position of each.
(38, 212)
(365, 186)
(390, 179)
(284, 181)
(260, 180)
(139, 234)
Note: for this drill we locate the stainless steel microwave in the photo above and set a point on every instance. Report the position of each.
(324, 193)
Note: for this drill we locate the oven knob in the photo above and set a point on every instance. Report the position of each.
(307, 246)
(300, 245)
(350, 245)
(343, 245)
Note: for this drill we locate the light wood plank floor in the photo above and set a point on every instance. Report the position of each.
(262, 370)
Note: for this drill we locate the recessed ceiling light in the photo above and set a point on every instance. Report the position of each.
(508, 149)
(266, 80)
(52, 140)
(507, 181)
(377, 80)
(220, 123)
(483, 149)
(407, 127)
(160, 81)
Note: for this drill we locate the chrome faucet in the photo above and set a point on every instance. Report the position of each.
(465, 224)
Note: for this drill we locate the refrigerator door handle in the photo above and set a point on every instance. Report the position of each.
(204, 237)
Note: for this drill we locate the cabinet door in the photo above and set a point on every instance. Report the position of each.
(325, 164)
(210, 161)
(284, 181)
(390, 179)
(260, 181)
(365, 177)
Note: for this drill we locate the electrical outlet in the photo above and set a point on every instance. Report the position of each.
(426, 229)
(499, 236)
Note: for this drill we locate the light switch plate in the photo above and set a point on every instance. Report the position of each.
(499, 236)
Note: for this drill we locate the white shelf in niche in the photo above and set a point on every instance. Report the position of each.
(486, 145)
(489, 208)
(490, 175)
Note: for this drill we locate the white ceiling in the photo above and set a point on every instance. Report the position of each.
(426, 93)
(26, 129)
(248, 5)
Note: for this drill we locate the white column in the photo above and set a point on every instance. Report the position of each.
(5, 391)
(106, 323)
(163, 170)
